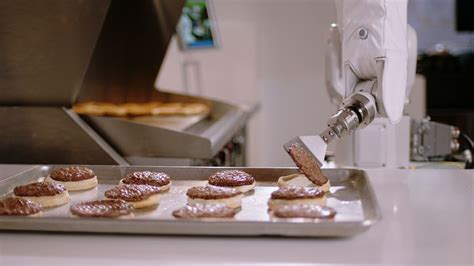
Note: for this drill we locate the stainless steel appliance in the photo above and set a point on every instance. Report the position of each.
(56, 53)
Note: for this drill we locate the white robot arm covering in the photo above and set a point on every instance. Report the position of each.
(374, 41)
(367, 67)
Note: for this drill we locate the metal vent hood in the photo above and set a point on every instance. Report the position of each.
(130, 50)
(45, 48)
(55, 52)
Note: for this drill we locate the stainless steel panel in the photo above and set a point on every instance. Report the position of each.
(173, 122)
(135, 139)
(45, 47)
(48, 135)
(48, 45)
(351, 195)
(203, 140)
(97, 139)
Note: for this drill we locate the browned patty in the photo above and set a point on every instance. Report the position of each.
(307, 165)
(132, 192)
(293, 193)
(147, 178)
(69, 174)
(210, 192)
(18, 207)
(304, 211)
(39, 189)
(204, 211)
(102, 208)
(231, 178)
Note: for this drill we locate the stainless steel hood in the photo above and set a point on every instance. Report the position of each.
(130, 50)
(45, 48)
(52, 51)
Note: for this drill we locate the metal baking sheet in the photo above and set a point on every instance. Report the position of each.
(351, 195)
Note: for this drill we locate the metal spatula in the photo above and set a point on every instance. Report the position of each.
(313, 145)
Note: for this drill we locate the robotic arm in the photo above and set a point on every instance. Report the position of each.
(370, 64)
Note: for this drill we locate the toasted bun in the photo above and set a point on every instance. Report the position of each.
(299, 180)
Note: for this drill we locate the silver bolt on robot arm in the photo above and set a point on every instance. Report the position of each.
(370, 64)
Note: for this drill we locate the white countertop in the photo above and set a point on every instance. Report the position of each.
(428, 218)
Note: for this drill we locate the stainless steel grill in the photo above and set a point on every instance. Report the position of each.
(56, 53)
